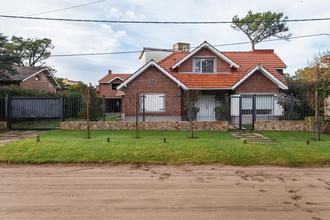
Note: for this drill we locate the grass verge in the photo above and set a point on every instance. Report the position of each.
(60, 146)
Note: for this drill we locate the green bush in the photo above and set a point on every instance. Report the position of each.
(17, 91)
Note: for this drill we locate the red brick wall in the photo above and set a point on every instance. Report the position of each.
(187, 66)
(43, 84)
(106, 89)
(153, 81)
(257, 83)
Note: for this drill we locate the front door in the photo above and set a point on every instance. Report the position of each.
(206, 104)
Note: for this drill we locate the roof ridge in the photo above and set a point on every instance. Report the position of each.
(173, 53)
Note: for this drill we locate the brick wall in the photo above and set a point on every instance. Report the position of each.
(170, 126)
(43, 84)
(153, 81)
(222, 66)
(257, 83)
(106, 89)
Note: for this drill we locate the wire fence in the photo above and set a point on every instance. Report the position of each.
(148, 107)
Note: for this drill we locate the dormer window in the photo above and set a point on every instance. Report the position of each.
(114, 86)
(204, 65)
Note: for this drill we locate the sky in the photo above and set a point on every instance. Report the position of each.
(71, 37)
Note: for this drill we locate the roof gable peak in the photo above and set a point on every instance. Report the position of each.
(205, 44)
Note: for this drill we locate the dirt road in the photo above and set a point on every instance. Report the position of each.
(163, 192)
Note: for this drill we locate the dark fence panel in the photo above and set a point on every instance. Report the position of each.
(2, 109)
(35, 108)
(73, 106)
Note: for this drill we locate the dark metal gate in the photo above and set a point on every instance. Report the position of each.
(34, 112)
(242, 112)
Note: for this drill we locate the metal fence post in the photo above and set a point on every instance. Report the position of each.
(143, 107)
(103, 107)
(63, 109)
(291, 107)
(240, 112)
(227, 107)
(137, 109)
(253, 111)
(8, 112)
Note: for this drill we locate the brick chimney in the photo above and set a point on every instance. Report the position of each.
(109, 71)
(179, 46)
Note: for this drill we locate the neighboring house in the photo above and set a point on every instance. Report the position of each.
(36, 78)
(163, 82)
(108, 89)
(69, 82)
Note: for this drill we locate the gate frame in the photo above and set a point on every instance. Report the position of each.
(8, 108)
(254, 115)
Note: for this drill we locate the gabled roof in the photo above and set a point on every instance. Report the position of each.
(151, 63)
(264, 71)
(21, 73)
(113, 76)
(205, 44)
(265, 61)
(225, 80)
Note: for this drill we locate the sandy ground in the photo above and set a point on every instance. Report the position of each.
(163, 192)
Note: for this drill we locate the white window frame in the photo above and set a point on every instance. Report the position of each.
(153, 111)
(277, 109)
(201, 66)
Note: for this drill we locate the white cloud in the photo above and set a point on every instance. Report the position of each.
(86, 37)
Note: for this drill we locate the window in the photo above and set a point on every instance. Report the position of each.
(152, 103)
(114, 86)
(264, 105)
(37, 77)
(204, 65)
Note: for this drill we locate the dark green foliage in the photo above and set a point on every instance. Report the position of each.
(31, 52)
(260, 26)
(16, 91)
(7, 59)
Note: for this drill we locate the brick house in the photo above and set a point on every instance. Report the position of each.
(35, 78)
(162, 83)
(108, 89)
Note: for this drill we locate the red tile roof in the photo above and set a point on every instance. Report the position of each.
(247, 60)
(111, 76)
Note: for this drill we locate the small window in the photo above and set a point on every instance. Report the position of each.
(37, 77)
(114, 86)
(204, 65)
(152, 103)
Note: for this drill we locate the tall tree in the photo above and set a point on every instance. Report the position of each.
(260, 26)
(7, 59)
(31, 52)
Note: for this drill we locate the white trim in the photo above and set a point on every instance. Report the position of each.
(154, 94)
(40, 71)
(266, 73)
(117, 77)
(145, 67)
(210, 47)
(214, 58)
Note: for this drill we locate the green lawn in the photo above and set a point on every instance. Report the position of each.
(210, 147)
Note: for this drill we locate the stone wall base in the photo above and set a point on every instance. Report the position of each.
(127, 125)
(283, 125)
